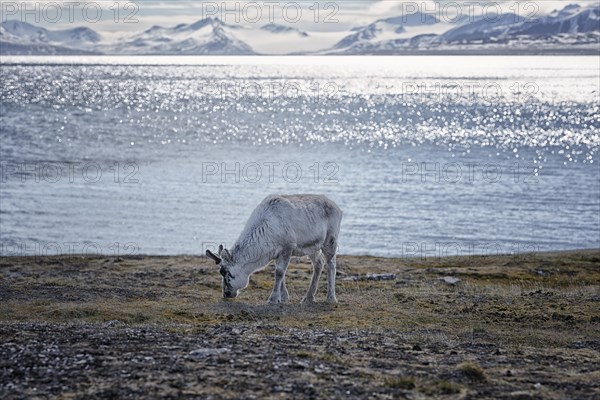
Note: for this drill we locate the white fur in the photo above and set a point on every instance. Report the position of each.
(279, 227)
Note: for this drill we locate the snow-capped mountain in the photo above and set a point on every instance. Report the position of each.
(377, 31)
(572, 29)
(25, 38)
(207, 36)
(572, 19)
(382, 32)
(482, 29)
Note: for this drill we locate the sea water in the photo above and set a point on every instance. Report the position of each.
(426, 156)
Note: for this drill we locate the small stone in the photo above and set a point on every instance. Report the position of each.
(301, 364)
(205, 352)
(319, 369)
(538, 386)
(450, 280)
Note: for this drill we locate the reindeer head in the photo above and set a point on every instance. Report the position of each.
(234, 279)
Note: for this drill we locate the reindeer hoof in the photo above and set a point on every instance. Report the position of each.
(308, 300)
(332, 300)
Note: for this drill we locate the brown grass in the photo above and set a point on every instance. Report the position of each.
(504, 298)
(531, 306)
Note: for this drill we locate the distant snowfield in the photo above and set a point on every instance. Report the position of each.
(264, 42)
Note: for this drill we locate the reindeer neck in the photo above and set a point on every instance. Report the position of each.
(253, 255)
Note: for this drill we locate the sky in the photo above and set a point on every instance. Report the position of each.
(123, 16)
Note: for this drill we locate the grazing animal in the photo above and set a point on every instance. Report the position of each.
(280, 227)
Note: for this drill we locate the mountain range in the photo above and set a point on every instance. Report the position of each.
(574, 29)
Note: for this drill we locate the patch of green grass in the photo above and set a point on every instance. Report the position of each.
(444, 387)
(478, 330)
(74, 312)
(402, 382)
(329, 358)
(472, 371)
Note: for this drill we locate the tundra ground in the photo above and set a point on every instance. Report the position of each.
(514, 327)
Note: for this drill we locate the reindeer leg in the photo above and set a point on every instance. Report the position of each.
(331, 271)
(330, 253)
(281, 264)
(317, 262)
(285, 296)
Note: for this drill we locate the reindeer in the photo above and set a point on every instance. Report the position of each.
(281, 227)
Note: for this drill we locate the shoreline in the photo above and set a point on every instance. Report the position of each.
(366, 256)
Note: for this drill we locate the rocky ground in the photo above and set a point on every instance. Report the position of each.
(488, 327)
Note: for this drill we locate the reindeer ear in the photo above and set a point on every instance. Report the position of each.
(220, 249)
(216, 258)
